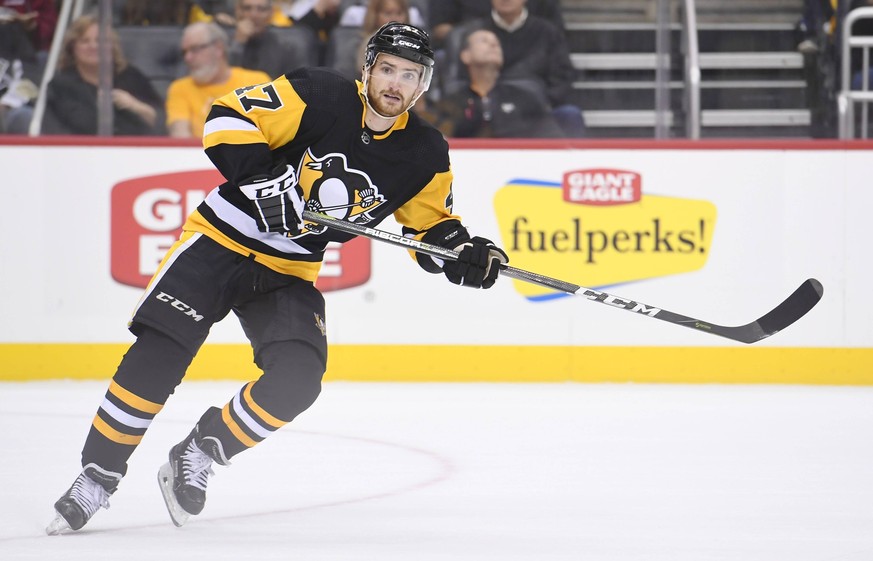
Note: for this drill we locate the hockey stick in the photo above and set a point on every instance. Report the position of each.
(789, 311)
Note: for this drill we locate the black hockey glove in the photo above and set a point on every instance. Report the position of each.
(277, 200)
(478, 263)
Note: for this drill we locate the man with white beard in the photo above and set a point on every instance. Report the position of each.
(210, 76)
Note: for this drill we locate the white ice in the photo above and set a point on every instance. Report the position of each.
(502, 472)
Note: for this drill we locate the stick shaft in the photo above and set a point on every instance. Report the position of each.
(793, 308)
(432, 250)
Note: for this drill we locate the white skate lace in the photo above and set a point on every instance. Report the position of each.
(89, 495)
(196, 466)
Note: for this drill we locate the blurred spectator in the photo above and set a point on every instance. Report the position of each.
(348, 42)
(155, 12)
(534, 49)
(183, 12)
(71, 98)
(381, 12)
(15, 45)
(815, 40)
(377, 14)
(815, 23)
(445, 14)
(204, 48)
(368, 13)
(254, 44)
(211, 10)
(37, 17)
(320, 15)
(20, 72)
(492, 107)
(17, 95)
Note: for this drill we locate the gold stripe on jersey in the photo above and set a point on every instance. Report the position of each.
(430, 206)
(277, 128)
(134, 400)
(306, 270)
(259, 411)
(399, 124)
(114, 435)
(235, 428)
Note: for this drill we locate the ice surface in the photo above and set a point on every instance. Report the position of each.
(504, 472)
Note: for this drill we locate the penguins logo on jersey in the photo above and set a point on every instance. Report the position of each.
(320, 324)
(330, 187)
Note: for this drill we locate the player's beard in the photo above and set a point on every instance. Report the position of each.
(385, 109)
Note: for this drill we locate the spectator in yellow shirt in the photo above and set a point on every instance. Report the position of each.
(210, 76)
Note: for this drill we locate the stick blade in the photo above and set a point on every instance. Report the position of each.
(789, 311)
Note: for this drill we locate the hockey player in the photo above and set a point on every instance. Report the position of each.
(309, 139)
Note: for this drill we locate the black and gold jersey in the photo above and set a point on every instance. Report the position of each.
(313, 119)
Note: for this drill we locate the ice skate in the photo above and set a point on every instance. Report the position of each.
(88, 493)
(184, 478)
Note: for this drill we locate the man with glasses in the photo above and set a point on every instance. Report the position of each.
(309, 139)
(210, 76)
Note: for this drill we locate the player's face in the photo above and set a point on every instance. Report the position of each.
(393, 84)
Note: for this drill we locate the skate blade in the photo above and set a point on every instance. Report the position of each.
(165, 480)
(57, 526)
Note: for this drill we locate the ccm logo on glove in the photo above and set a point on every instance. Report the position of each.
(277, 200)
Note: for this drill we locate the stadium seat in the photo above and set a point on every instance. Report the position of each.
(343, 47)
(301, 45)
(154, 51)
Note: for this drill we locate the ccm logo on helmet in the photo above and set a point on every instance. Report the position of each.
(403, 43)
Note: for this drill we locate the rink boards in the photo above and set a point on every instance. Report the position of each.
(718, 231)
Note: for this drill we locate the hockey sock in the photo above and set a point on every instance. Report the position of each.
(290, 384)
(149, 372)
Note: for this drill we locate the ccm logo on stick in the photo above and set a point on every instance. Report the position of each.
(619, 303)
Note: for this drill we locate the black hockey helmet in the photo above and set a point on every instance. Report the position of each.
(403, 40)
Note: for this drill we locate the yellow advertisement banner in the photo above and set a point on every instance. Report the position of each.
(596, 244)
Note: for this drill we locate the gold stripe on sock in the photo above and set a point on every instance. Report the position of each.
(234, 428)
(134, 400)
(113, 434)
(266, 417)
